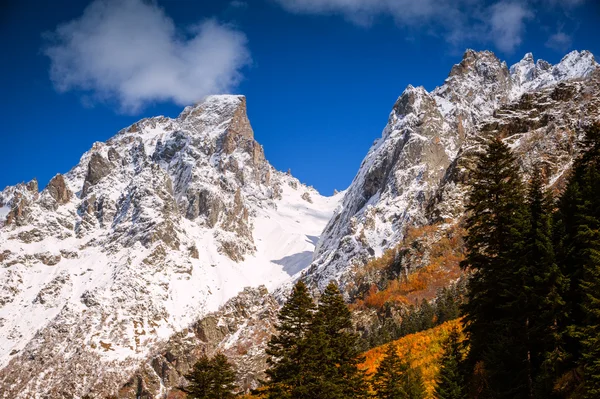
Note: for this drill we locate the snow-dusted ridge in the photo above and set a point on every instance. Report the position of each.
(403, 175)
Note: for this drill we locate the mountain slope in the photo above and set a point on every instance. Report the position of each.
(151, 231)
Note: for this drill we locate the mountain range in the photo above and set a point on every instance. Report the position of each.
(176, 237)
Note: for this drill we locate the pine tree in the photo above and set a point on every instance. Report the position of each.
(451, 381)
(577, 239)
(426, 315)
(395, 379)
(387, 382)
(287, 349)
(413, 384)
(495, 224)
(539, 304)
(586, 248)
(211, 379)
(334, 350)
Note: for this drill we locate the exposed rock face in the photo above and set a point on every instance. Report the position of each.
(240, 330)
(98, 167)
(152, 231)
(415, 173)
(17, 200)
(57, 189)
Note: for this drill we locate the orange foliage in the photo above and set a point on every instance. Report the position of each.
(446, 251)
(423, 349)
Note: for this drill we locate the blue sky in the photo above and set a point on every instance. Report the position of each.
(320, 76)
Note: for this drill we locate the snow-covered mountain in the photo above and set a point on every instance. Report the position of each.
(151, 231)
(119, 273)
(410, 175)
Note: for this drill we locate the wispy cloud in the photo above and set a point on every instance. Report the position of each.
(405, 12)
(559, 41)
(500, 22)
(507, 24)
(130, 51)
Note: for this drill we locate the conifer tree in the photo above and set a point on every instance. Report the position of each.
(539, 305)
(395, 379)
(495, 224)
(413, 384)
(580, 216)
(287, 349)
(387, 382)
(211, 379)
(334, 350)
(451, 381)
(427, 315)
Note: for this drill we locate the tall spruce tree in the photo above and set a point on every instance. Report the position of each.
(395, 379)
(387, 382)
(495, 225)
(450, 380)
(539, 305)
(211, 379)
(414, 386)
(579, 243)
(334, 350)
(288, 350)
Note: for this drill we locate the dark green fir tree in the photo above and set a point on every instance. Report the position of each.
(287, 350)
(539, 305)
(450, 380)
(211, 379)
(387, 382)
(395, 379)
(496, 224)
(585, 262)
(335, 350)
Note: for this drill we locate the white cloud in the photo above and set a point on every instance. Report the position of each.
(406, 12)
(502, 23)
(507, 22)
(564, 3)
(130, 51)
(559, 41)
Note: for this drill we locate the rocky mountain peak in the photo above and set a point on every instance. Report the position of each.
(416, 170)
(149, 232)
(527, 75)
(575, 65)
(218, 113)
(524, 70)
(410, 100)
(484, 64)
(474, 87)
